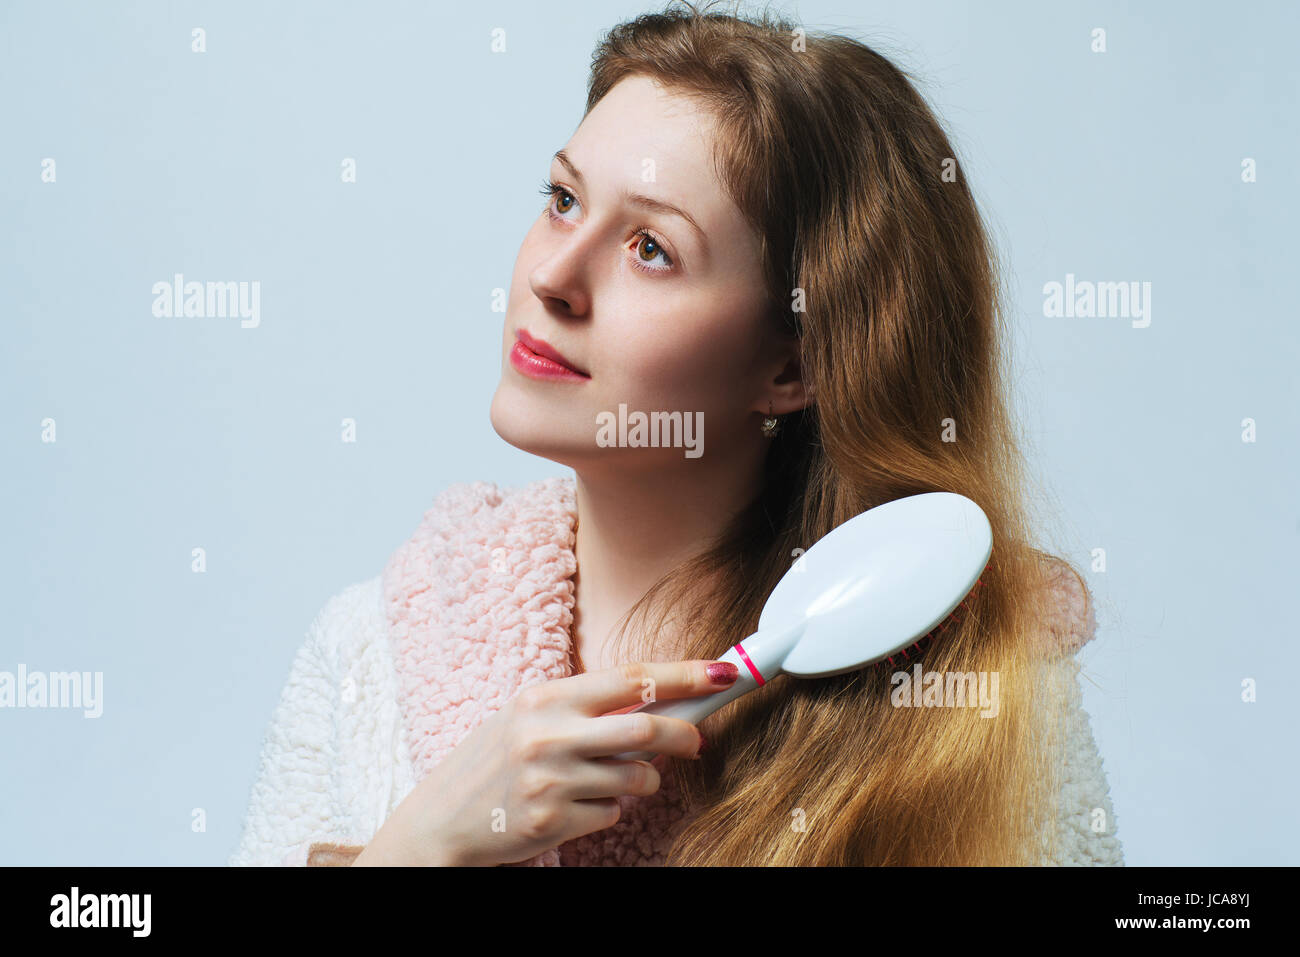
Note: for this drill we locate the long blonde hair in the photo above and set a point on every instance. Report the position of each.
(866, 218)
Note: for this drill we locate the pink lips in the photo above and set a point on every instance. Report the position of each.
(540, 360)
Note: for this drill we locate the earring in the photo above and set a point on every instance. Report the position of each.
(771, 423)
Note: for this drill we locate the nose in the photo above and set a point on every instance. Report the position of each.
(562, 278)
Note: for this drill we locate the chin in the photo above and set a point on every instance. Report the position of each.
(519, 422)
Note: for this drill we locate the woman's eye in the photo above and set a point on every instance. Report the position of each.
(566, 199)
(648, 249)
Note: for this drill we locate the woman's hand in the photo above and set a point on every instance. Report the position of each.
(538, 772)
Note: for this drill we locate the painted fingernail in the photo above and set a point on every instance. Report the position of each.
(723, 672)
(703, 743)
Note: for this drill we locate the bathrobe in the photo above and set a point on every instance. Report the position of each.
(395, 671)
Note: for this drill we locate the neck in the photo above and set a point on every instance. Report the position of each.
(635, 528)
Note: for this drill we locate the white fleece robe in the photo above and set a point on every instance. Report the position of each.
(396, 670)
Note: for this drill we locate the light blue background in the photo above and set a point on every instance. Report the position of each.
(376, 306)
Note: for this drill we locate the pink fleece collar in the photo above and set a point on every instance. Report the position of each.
(480, 605)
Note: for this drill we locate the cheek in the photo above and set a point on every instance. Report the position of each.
(691, 356)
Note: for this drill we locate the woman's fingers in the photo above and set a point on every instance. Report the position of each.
(611, 689)
(613, 734)
(607, 777)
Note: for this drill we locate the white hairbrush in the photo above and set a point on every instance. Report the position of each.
(866, 591)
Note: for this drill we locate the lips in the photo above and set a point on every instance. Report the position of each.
(538, 356)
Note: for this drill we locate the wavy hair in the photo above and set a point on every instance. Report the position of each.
(876, 260)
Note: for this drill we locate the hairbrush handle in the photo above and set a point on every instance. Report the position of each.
(759, 659)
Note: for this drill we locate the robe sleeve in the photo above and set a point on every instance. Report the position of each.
(1086, 825)
(294, 801)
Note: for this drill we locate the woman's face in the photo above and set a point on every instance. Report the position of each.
(660, 315)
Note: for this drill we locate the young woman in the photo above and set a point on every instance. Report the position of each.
(766, 238)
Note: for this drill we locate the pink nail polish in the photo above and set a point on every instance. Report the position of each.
(723, 672)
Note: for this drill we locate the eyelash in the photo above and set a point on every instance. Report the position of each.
(549, 189)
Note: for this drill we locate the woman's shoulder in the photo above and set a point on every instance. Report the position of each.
(350, 620)
(1086, 827)
(461, 514)
(1086, 832)
(463, 520)
(1068, 616)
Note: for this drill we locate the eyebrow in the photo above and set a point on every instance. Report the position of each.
(638, 199)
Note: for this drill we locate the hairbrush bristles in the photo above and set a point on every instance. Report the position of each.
(912, 653)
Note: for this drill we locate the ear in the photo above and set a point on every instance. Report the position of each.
(785, 388)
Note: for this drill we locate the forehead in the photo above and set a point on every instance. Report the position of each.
(650, 139)
(643, 135)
